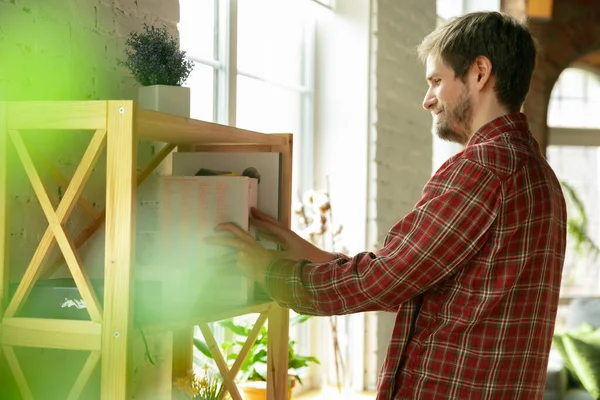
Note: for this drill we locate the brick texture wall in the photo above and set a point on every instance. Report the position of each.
(403, 148)
(573, 32)
(66, 50)
(63, 50)
(401, 139)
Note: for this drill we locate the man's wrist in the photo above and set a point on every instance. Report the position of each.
(322, 257)
(262, 278)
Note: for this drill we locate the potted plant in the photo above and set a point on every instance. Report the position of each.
(253, 372)
(208, 386)
(156, 62)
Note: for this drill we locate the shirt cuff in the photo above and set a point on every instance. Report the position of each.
(284, 281)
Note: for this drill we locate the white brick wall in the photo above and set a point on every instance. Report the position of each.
(68, 49)
(400, 139)
(403, 139)
(59, 50)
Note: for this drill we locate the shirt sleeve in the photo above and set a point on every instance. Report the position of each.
(439, 236)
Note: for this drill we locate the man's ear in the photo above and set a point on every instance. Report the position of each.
(481, 72)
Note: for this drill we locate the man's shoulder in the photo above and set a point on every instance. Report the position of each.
(503, 156)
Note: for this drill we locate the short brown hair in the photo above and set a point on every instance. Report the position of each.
(506, 42)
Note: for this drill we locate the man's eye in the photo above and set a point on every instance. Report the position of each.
(437, 81)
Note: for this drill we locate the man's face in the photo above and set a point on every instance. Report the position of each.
(449, 101)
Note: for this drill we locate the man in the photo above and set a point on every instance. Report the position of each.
(474, 270)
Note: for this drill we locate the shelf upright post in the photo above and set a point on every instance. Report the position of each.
(121, 165)
(4, 225)
(279, 318)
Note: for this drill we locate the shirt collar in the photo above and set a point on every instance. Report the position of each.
(515, 122)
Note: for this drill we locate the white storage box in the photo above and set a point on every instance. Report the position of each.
(188, 209)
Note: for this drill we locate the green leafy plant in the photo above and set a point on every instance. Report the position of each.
(209, 386)
(154, 58)
(577, 223)
(254, 367)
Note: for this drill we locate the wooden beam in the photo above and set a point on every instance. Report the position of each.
(63, 211)
(215, 351)
(277, 353)
(17, 372)
(252, 336)
(66, 246)
(63, 181)
(95, 224)
(183, 352)
(540, 9)
(121, 164)
(285, 179)
(57, 115)
(4, 222)
(84, 375)
(167, 128)
(51, 333)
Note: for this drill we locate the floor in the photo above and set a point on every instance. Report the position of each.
(333, 394)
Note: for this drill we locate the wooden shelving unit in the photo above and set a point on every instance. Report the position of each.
(118, 126)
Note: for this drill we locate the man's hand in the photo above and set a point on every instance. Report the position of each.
(294, 247)
(249, 255)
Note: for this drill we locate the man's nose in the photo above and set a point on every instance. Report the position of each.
(429, 101)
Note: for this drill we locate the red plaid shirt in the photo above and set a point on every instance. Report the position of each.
(473, 273)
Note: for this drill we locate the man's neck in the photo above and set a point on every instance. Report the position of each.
(486, 116)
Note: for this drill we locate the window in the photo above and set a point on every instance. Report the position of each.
(575, 100)
(200, 34)
(254, 66)
(326, 3)
(254, 69)
(275, 73)
(579, 166)
(576, 160)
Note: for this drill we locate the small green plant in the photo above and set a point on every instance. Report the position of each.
(254, 367)
(209, 386)
(154, 58)
(577, 223)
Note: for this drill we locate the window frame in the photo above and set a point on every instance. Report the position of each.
(226, 72)
(574, 136)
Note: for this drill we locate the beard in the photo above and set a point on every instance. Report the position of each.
(454, 124)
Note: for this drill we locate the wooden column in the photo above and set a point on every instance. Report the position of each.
(4, 224)
(182, 351)
(279, 318)
(121, 164)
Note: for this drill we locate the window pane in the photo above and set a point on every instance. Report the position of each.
(575, 100)
(447, 9)
(266, 108)
(576, 113)
(271, 39)
(556, 93)
(197, 27)
(202, 92)
(593, 92)
(579, 166)
(572, 83)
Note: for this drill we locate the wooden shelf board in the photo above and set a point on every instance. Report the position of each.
(152, 125)
(51, 333)
(179, 321)
(149, 125)
(46, 115)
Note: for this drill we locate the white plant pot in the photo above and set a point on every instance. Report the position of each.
(173, 100)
